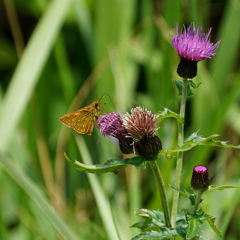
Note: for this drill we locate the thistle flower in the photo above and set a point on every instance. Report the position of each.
(141, 127)
(192, 46)
(200, 180)
(111, 125)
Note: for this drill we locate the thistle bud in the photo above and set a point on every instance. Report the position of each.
(125, 144)
(187, 69)
(148, 147)
(200, 180)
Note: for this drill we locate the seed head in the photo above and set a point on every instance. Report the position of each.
(141, 127)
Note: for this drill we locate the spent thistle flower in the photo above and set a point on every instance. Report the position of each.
(192, 46)
(141, 127)
(111, 125)
(200, 180)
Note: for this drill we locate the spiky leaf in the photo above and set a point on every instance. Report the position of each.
(194, 224)
(192, 196)
(210, 188)
(196, 140)
(153, 219)
(193, 85)
(179, 84)
(211, 222)
(110, 166)
(168, 113)
(163, 234)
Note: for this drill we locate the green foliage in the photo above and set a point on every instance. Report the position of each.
(192, 196)
(193, 85)
(168, 113)
(196, 140)
(164, 234)
(211, 222)
(179, 83)
(152, 218)
(194, 224)
(154, 225)
(210, 188)
(110, 166)
(190, 84)
(187, 225)
(139, 162)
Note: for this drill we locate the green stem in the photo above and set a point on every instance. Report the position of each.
(180, 154)
(198, 199)
(162, 191)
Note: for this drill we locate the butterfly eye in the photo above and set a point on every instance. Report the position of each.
(96, 105)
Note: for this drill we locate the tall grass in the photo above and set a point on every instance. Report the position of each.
(76, 51)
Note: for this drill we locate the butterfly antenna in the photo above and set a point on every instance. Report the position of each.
(102, 97)
(109, 98)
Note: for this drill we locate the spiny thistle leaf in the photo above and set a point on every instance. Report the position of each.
(144, 225)
(168, 113)
(196, 140)
(196, 219)
(178, 84)
(115, 165)
(209, 141)
(110, 166)
(211, 222)
(181, 220)
(210, 188)
(191, 196)
(193, 85)
(153, 219)
(194, 224)
(163, 234)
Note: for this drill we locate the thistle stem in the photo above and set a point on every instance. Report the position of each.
(198, 199)
(180, 154)
(162, 191)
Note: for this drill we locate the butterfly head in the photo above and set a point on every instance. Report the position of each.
(96, 105)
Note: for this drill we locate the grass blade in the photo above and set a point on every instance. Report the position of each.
(29, 68)
(34, 193)
(100, 197)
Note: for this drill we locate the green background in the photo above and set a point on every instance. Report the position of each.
(58, 56)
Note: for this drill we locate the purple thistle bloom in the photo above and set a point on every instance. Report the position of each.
(200, 180)
(111, 125)
(192, 46)
(141, 127)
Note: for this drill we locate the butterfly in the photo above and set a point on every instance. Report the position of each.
(82, 120)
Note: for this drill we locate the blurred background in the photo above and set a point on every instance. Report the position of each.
(58, 56)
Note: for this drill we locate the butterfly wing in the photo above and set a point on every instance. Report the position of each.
(84, 123)
(68, 119)
(82, 120)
